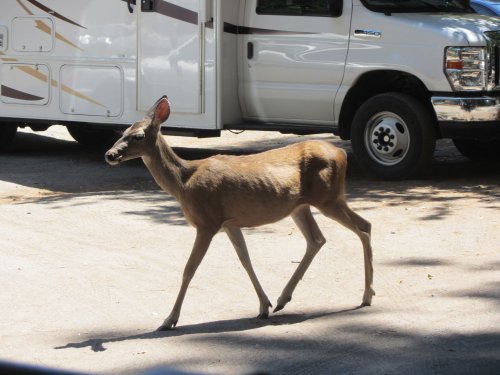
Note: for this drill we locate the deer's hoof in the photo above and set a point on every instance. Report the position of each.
(164, 327)
(263, 315)
(282, 301)
(278, 308)
(367, 298)
(167, 325)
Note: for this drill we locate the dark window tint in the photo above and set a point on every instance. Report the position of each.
(424, 6)
(482, 10)
(296, 7)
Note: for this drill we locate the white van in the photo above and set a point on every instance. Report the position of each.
(391, 75)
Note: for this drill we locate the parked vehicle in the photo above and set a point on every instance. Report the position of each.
(486, 7)
(391, 76)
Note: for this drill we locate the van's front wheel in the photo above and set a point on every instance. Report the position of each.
(392, 136)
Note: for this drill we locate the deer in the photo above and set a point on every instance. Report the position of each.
(231, 192)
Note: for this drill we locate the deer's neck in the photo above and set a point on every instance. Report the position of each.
(166, 167)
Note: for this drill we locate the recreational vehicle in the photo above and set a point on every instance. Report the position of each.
(392, 76)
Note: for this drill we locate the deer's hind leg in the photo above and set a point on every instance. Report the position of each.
(238, 241)
(304, 219)
(340, 212)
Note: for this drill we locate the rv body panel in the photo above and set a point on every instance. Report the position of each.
(95, 62)
(177, 58)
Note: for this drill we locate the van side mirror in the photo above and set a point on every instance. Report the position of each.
(336, 7)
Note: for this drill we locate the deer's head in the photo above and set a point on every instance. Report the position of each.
(141, 136)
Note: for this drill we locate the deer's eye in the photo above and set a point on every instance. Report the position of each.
(138, 136)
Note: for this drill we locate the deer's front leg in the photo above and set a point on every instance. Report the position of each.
(240, 246)
(200, 247)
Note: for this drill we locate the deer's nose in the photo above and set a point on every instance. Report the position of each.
(111, 156)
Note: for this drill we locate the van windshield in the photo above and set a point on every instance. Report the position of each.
(413, 6)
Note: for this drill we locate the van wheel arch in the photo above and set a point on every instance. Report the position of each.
(392, 136)
(378, 82)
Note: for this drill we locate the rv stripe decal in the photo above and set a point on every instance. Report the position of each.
(44, 78)
(32, 72)
(46, 29)
(53, 13)
(174, 11)
(24, 7)
(182, 14)
(177, 12)
(70, 91)
(42, 26)
(9, 92)
(64, 40)
(245, 30)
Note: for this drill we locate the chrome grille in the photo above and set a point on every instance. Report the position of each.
(496, 73)
(493, 46)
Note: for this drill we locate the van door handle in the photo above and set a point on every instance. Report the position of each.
(250, 50)
(368, 33)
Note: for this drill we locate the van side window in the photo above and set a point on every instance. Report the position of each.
(320, 8)
(482, 9)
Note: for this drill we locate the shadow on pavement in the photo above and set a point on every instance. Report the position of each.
(66, 170)
(218, 327)
(352, 348)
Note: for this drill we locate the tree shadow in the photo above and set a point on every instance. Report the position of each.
(419, 262)
(348, 348)
(216, 327)
(489, 291)
(63, 168)
(364, 349)
(491, 266)
(155, 204)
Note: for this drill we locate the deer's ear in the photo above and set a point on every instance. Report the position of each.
(161, 110)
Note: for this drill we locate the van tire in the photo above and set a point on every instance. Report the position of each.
(7, 135)
(93, 138)
(393, 136)
(478, 150)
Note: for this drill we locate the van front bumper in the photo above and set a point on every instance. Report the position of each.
(472, 118)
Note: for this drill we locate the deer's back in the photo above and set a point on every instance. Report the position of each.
(268, 184)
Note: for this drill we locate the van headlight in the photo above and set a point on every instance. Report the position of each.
(465, 68)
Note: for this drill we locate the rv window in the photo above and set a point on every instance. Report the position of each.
(321, 8)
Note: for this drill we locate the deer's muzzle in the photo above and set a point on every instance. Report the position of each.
(112, 157)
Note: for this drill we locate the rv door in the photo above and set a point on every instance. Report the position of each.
(171, 54)
(293, 56)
